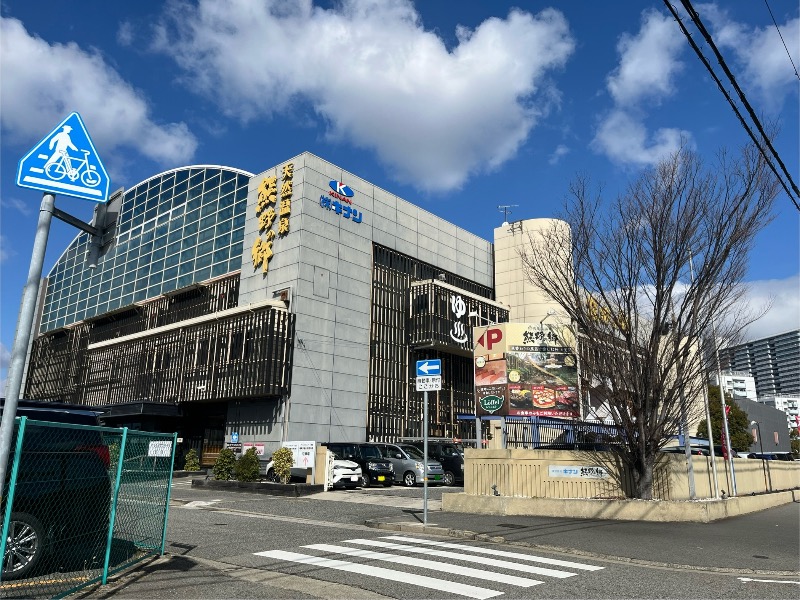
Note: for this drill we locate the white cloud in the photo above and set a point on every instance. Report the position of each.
(125, 33)
(560, 151)
(5, 251)
(43, 82)
(648, 61)
(783, 298)
(648, 65)
(377, 77)
(624, 139)
(26, 208)
(760, 60)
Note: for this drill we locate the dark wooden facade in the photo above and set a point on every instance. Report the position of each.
(186, 347)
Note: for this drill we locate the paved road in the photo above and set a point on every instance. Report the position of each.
(239, 545)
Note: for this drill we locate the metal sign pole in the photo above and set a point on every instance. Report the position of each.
(22, 338)
(425, 462)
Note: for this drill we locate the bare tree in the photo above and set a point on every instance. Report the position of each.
(641, 280)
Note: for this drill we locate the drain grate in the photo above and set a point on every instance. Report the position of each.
(511, 526)
(759, 556)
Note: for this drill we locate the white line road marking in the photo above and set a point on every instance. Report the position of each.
(470, 591)
(748, 579)
(503, 564)
(493, 552)
(427, 564)
(197, 504)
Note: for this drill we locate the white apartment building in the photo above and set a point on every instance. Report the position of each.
(790, 404)
(737, 384)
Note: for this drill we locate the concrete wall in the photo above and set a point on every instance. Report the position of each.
(526, 302)
(326, 261)
(526, 473)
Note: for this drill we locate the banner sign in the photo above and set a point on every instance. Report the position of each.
(524, 369)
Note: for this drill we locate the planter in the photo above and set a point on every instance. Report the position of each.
(293, 490)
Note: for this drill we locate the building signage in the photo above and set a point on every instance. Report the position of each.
(340, 191)
(339, 199)
(525, 370)
(259, 448)
(65, 162)
(592, 472)
(267, 214)
(458, 309)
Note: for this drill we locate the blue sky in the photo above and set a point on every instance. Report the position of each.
(457, 106)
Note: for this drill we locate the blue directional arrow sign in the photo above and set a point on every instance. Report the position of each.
(429, 367)
(65, 162)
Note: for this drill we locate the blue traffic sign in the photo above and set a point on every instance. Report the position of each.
(429, 367)
(65, 162)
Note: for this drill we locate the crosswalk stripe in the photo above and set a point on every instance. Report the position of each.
(427, 564)
(441, 585)
(503, 564)
(493, 552)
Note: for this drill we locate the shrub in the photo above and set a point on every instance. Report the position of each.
(282, 461)
(246, 468)
(192, 461)
(224, 465)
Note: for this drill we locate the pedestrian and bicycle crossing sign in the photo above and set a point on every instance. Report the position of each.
(66, 162)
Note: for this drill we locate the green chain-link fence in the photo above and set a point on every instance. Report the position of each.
(82, 502)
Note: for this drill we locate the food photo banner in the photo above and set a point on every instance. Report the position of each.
(525, 370)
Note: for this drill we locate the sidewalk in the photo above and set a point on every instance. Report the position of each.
(764, 542)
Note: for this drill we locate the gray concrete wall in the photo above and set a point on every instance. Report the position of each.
(326, 260)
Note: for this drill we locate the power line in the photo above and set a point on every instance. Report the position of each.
(696, 20)
(789, 54)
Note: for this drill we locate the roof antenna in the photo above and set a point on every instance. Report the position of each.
(506, 210)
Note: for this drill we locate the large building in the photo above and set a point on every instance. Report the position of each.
(288, 305)
(790, 405)
(774, 363)
(737, 384)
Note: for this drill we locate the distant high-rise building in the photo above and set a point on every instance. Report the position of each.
(774, 363)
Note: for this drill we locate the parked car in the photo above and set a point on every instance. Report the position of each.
(408, 462)
(375, 470)
(784, 456)
(447, 452)
(62, 495)
(764, 456)
(346, 473)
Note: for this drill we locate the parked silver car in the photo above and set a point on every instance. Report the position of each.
(408, 462)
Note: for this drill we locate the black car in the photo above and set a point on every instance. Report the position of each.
(62, 495)
(375, 470)
(447, 452)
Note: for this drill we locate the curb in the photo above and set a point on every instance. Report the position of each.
(293, 490)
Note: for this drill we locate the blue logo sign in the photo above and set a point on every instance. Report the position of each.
(234, 437)
(429, 367)
(340, 188)
(65, 162)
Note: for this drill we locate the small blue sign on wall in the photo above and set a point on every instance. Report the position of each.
(235, 437)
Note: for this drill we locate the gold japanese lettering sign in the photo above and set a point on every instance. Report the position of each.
(267, 214)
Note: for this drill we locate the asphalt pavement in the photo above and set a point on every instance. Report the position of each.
(757, 545)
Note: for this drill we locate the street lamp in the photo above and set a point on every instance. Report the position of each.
(763, 460)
